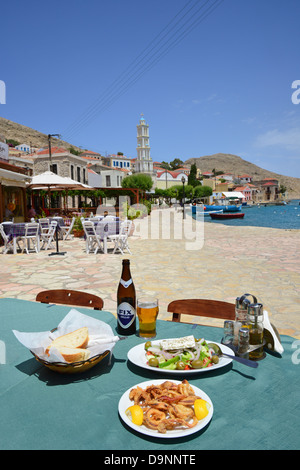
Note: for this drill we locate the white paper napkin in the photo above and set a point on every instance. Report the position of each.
(101, 336)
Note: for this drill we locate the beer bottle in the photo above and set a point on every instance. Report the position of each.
(126, 300)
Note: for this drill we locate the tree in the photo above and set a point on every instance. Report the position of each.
(192, 178)
(74, 151)
(176, 163)
(139, 181)
(202, 191)
(282, 189)
(165, 165)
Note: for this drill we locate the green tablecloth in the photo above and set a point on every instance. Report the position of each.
(40, 409)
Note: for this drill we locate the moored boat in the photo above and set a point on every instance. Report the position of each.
(207, 213)
(235, 215)
(214, 208)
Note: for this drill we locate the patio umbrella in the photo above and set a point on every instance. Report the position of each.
(52, 180)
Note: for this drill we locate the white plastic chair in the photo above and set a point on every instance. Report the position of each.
(120, 240)
(48, 237)
(31, 236)
(44, 224)
(93, 240)
(66, 230)
(8, 244)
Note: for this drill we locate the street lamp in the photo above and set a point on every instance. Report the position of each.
(49, 146)
(183, 198)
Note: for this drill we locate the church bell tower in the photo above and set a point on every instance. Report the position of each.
(144, 163)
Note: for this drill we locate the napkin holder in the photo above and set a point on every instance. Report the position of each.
(271, 336)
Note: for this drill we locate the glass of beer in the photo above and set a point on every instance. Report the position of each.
(147, 311)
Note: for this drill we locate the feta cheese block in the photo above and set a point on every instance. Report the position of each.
(178, 343)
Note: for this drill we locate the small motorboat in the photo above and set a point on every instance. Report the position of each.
(227, 215)
(208, 213)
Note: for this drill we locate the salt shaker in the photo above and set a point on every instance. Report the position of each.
(228, 332)
(243, 343)
(256, 330)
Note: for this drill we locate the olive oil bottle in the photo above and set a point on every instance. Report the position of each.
(256, 330)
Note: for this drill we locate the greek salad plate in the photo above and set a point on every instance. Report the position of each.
(138, 356)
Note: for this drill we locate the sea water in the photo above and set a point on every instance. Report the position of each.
(284, 217)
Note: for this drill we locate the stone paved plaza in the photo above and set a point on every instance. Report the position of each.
(226, 263)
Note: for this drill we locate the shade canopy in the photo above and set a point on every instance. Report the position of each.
(51, 180)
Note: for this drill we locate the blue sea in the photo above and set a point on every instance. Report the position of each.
(284, 217)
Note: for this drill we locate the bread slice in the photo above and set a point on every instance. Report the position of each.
(76, 339)
(74, 354)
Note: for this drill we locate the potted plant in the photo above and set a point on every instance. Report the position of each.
(78, 228)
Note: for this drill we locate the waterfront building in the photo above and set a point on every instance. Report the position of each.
(166, 178)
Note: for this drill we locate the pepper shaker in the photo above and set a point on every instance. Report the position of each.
(228, 332)
(243, 343)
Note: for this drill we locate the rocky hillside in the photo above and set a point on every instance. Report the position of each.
(233, 164)
(26, 135)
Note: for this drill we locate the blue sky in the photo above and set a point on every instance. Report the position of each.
(209, 75)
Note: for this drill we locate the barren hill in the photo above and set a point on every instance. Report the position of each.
(26, 135)
(233, 164)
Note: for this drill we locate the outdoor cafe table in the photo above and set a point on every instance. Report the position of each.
(14, 231)
(40, 409)
(105, 227)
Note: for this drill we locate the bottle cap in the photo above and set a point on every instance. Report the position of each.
(255, 309)
(244, 332)
(243, 302)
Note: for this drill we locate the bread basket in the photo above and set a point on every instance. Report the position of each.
(74, 367)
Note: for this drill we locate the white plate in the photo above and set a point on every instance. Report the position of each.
(125, 402)
(137, 356)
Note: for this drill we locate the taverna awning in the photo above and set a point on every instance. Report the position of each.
(11, 178)
(233, 195)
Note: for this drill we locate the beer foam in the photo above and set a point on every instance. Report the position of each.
(147, 304)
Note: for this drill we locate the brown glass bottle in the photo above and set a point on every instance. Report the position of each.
(126, 302)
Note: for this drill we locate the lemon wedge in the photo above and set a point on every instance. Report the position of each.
(135, 413)
(201, 408)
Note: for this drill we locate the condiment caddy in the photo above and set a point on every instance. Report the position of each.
(251, 330)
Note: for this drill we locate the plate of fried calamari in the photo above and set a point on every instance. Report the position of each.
(165, 409)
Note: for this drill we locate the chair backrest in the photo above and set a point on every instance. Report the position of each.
(3, 234)
(125, 227)
(72, 222)
(89, 228)
(70, 297)
(44, 223)
(31, 229)
(51, 231)
(201, 308)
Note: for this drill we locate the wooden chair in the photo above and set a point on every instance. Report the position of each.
(201, 308)
(70, 297)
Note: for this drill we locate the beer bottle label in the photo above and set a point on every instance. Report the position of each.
(126, 283)
(126, 315)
